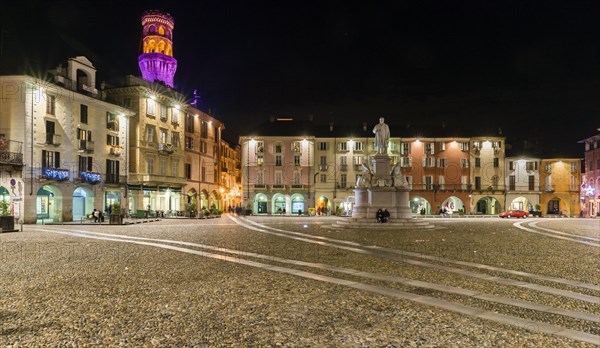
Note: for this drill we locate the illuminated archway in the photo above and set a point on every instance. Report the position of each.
(260, 204)
(453, 204)
(48, 204)
(297, 203)
(279, 206)
(83, 203)
(419, 205)
(323, 205)
(488, 206)
(521, 203)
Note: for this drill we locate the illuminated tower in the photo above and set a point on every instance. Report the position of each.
(157, 62)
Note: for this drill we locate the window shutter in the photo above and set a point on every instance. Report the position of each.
(89, 164)
(44, 164)
(56, 159)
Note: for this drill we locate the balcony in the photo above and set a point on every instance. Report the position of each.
(89, 89)
(112, 178)
(57, 174)
(90, 177)
(116, 151)
(86, 145)
(53, 139)
(343, 167)
(165, 148)
(548, 188)
(297, 186)
(260, 186)
(323, 167)
(278, 186)
(11, 152)
(112, 125)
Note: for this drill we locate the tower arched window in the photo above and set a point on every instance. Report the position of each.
(161, 47)
(161, 30)
(152, 29)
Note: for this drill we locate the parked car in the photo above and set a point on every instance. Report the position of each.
(514, 213)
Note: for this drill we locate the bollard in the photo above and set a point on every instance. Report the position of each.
(21, 225)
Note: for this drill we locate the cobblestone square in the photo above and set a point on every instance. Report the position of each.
(299, 282)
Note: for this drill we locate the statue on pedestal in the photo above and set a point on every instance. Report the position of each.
(382, 136)
(364, 179)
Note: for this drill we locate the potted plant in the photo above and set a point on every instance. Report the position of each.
(537, 211)
(190, 208)
(206, 213)
(7, 221)
(115, 214)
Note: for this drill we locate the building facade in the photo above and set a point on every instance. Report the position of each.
(487, 175)
(522, 183)
(71, 142)
(202, 159)
(590, 185)
(231, 183)
(561, 180)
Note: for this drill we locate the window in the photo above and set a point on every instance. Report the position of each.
(278, 178)
(464, 146)
(496, 162)
(297, 177)
(112, 140)
(442, 162)
(50, 159)
(406, 162)
(323, 146)
(50, 104)
(573, 167)
(175, 139)
(162, 169)
(189, 123)
(150, 165)
(112, 171)
(573, 183)
(278, 160)
(343, 146)
(188, 171)
(260, 177)
(203, 147)
(83, 134)
(428, 162)
(203, 178)
(512, 182)
(175, 168)
(112, 122)
(358, 146)
(323, 161)
(531, 182)
(175, 116)
(496, 144)
(463, 182)
(442, 182)
(150, 134)
(127, 102)
(404, 148)
(259, 160)
(343, 160)
(531, 165)
(296, 146)
(163, 113)
(409, 181)
(495, 182)
(428, 182)
(203, 129)
(478, 183)
(343, 180)
(476, 145)
(296, 160)
(164, 136)
(429, 148)
(323, 178)
(85, 164)
(50, 131)
(511, 165)
(260, 147)
(83, 114)
(357, 160)
(278, 148)
(548, 167)
(189, 143)
(477, 162)
(150, 107)
(464, 163)
(442, 146)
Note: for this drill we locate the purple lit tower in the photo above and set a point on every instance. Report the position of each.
(157, 62)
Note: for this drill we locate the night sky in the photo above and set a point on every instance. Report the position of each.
(529, 68)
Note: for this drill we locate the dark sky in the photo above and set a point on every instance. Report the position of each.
(529, 68)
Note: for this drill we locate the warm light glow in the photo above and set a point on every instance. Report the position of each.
(417, 141)
(222, 190)
(304, 141)
(453, 143)
(152, 96)
(177, 106)
(487, 144)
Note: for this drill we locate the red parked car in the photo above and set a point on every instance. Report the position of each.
(514, 213)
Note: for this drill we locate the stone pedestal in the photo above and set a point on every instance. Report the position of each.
(381, 190)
